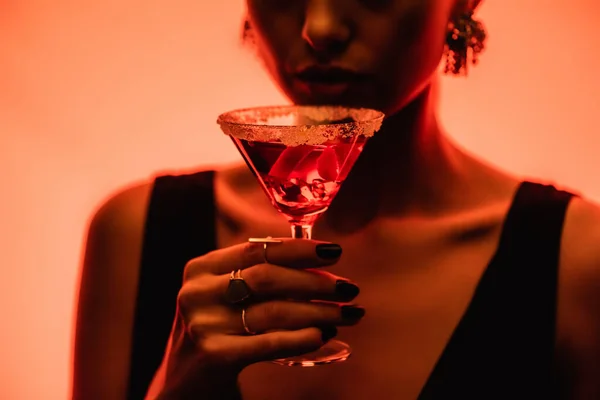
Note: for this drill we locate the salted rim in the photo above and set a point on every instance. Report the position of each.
(253, 124)
(227, 117)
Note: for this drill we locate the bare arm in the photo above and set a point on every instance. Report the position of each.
(107, 297)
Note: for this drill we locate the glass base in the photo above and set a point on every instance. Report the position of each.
(331, 352)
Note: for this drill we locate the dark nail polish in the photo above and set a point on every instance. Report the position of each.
(352, 312)
(346, 289)
(328, 333)
(328, 251)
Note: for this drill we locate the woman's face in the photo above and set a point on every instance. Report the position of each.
(368, 53)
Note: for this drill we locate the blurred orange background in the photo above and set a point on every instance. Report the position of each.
(95, 95)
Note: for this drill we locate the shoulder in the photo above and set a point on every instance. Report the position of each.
(579, 295)
(114, 242)
(122, 213)
(115, 236)
(118, 224)
(580, 249)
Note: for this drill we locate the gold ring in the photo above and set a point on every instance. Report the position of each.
(248, 331)
(265, 242)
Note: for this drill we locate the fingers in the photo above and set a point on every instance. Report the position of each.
(291, 253)
(245, 350)
(288, 315)
(270, 281)
(272, 316)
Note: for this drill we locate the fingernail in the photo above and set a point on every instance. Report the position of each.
(352, 312)
(328, 251)
(328, 333)
(346, 289)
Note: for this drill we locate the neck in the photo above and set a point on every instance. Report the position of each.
(408, 167)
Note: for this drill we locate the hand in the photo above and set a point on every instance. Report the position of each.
(209, 336)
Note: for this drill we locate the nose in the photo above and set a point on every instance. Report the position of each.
(324, 28)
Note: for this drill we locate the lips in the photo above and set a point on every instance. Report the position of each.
(329, 76)
(327, 83)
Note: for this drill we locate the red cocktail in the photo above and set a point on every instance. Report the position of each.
(301, 181)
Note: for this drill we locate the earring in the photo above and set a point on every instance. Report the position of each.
(247, 32)
(465, 39)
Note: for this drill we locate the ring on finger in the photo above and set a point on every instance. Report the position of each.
(238, 291)
(245, 323)
(265, 242)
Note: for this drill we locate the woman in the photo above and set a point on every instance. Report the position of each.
(457, 262)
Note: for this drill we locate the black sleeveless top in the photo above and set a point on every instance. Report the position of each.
(503, 347)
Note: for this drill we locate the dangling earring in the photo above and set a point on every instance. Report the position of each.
(247, 33)
(465, 39)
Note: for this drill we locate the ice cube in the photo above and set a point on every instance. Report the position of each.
(293, 190)
(318, 189)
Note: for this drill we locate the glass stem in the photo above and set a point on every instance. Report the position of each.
(301, 231)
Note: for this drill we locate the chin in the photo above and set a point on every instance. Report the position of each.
(346, 100)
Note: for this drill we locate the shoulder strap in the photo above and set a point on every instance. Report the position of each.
(179, 226)
(503, 346)
(530, 251)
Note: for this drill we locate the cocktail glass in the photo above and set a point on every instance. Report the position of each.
(301, 155)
